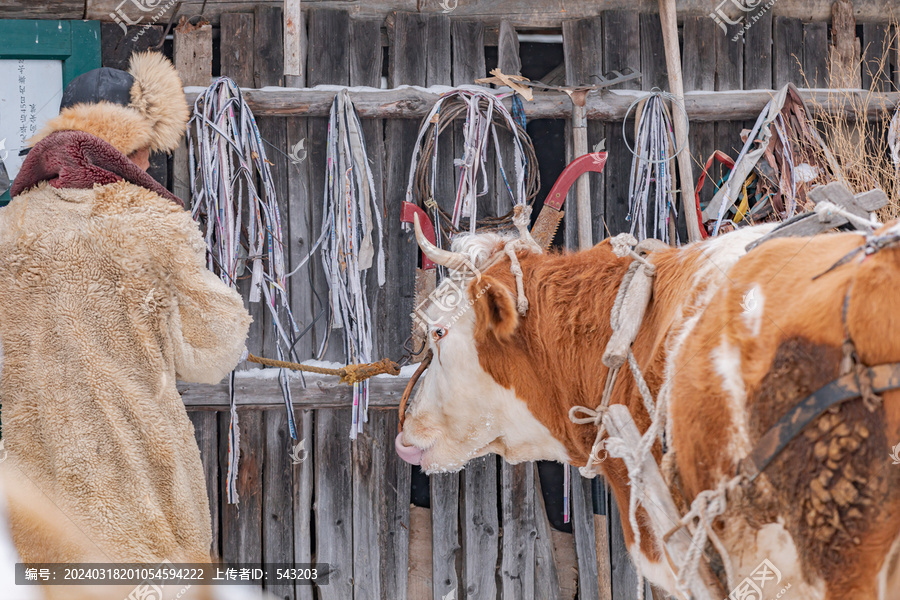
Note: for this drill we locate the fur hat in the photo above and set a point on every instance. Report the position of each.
(156, 116)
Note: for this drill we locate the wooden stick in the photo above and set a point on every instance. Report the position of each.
(669, 22)
(583, 183)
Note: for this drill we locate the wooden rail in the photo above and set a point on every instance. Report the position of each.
(321, 391)
(415, 102)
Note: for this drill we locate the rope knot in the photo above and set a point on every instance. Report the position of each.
(623, 244)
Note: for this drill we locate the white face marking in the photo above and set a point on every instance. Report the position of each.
(459, 411)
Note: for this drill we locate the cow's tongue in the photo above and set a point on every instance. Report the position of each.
(410, 454)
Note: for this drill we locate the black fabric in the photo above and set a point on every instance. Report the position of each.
(111, 85)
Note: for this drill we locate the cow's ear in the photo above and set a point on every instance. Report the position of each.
(495, 307)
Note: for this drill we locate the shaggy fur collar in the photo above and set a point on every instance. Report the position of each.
(75, 159)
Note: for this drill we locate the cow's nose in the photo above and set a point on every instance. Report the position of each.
(410, 454)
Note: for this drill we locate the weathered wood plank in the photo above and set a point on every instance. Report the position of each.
(468, 51)
(876, 68)
(242, 523)
(394, 516)
(206, 432)
(328, 63)
(294, 42)
(193, 61)
(583, 58)
(601, 501)
(566, 563)
(519, 531)
(621, 49)
(419, 580)
(368, 482)
(413, 104)
(729, 63)
(758, 54)
(322, 391)
(302, 234)
(438, 64)
(546, 579)
(237, 48)
(333, 506)
(815, 54)
(278, 506)
(480, 528)
(365, 53)
(268, 71)
(624, 575)
(787, 35)
(585, 542)
(654, 72)
(699, 53)
(407, 66)
(43, 9)
(237, 59)
(524, 14)
(444, 535)
(303, 467)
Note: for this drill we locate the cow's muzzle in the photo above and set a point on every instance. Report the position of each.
(410, 454)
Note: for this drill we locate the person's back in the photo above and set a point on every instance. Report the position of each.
(105, 300)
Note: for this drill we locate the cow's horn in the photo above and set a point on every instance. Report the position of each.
(439, 256)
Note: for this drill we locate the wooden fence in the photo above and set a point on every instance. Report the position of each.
(486, 533)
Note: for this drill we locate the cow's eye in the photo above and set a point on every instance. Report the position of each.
(438, 333)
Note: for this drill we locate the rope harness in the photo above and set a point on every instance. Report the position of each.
(856, 380)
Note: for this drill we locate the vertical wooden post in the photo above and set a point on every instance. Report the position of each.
(294, 38)
(669, 21)
(582, 184)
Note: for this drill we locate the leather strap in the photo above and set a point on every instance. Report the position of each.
(884, 377)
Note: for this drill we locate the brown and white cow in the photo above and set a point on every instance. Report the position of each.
(504, 383)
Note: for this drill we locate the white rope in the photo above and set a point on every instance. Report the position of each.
(652, 170)
(351, 219)
(227, 158)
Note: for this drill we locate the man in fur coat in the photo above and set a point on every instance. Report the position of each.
(105, 301)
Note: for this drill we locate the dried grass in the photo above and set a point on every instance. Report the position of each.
(858, 144)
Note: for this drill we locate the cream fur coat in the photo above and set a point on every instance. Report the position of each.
(105, 300)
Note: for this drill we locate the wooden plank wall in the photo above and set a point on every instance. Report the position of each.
(348, 504)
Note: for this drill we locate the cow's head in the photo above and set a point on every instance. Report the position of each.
(459, 411)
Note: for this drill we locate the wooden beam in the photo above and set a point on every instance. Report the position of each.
(415, 102)
(321, 391)
(520, 14)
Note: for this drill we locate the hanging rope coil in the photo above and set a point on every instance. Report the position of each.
(484, 114)
(232, 181)
(351, 225)
(653, 169)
